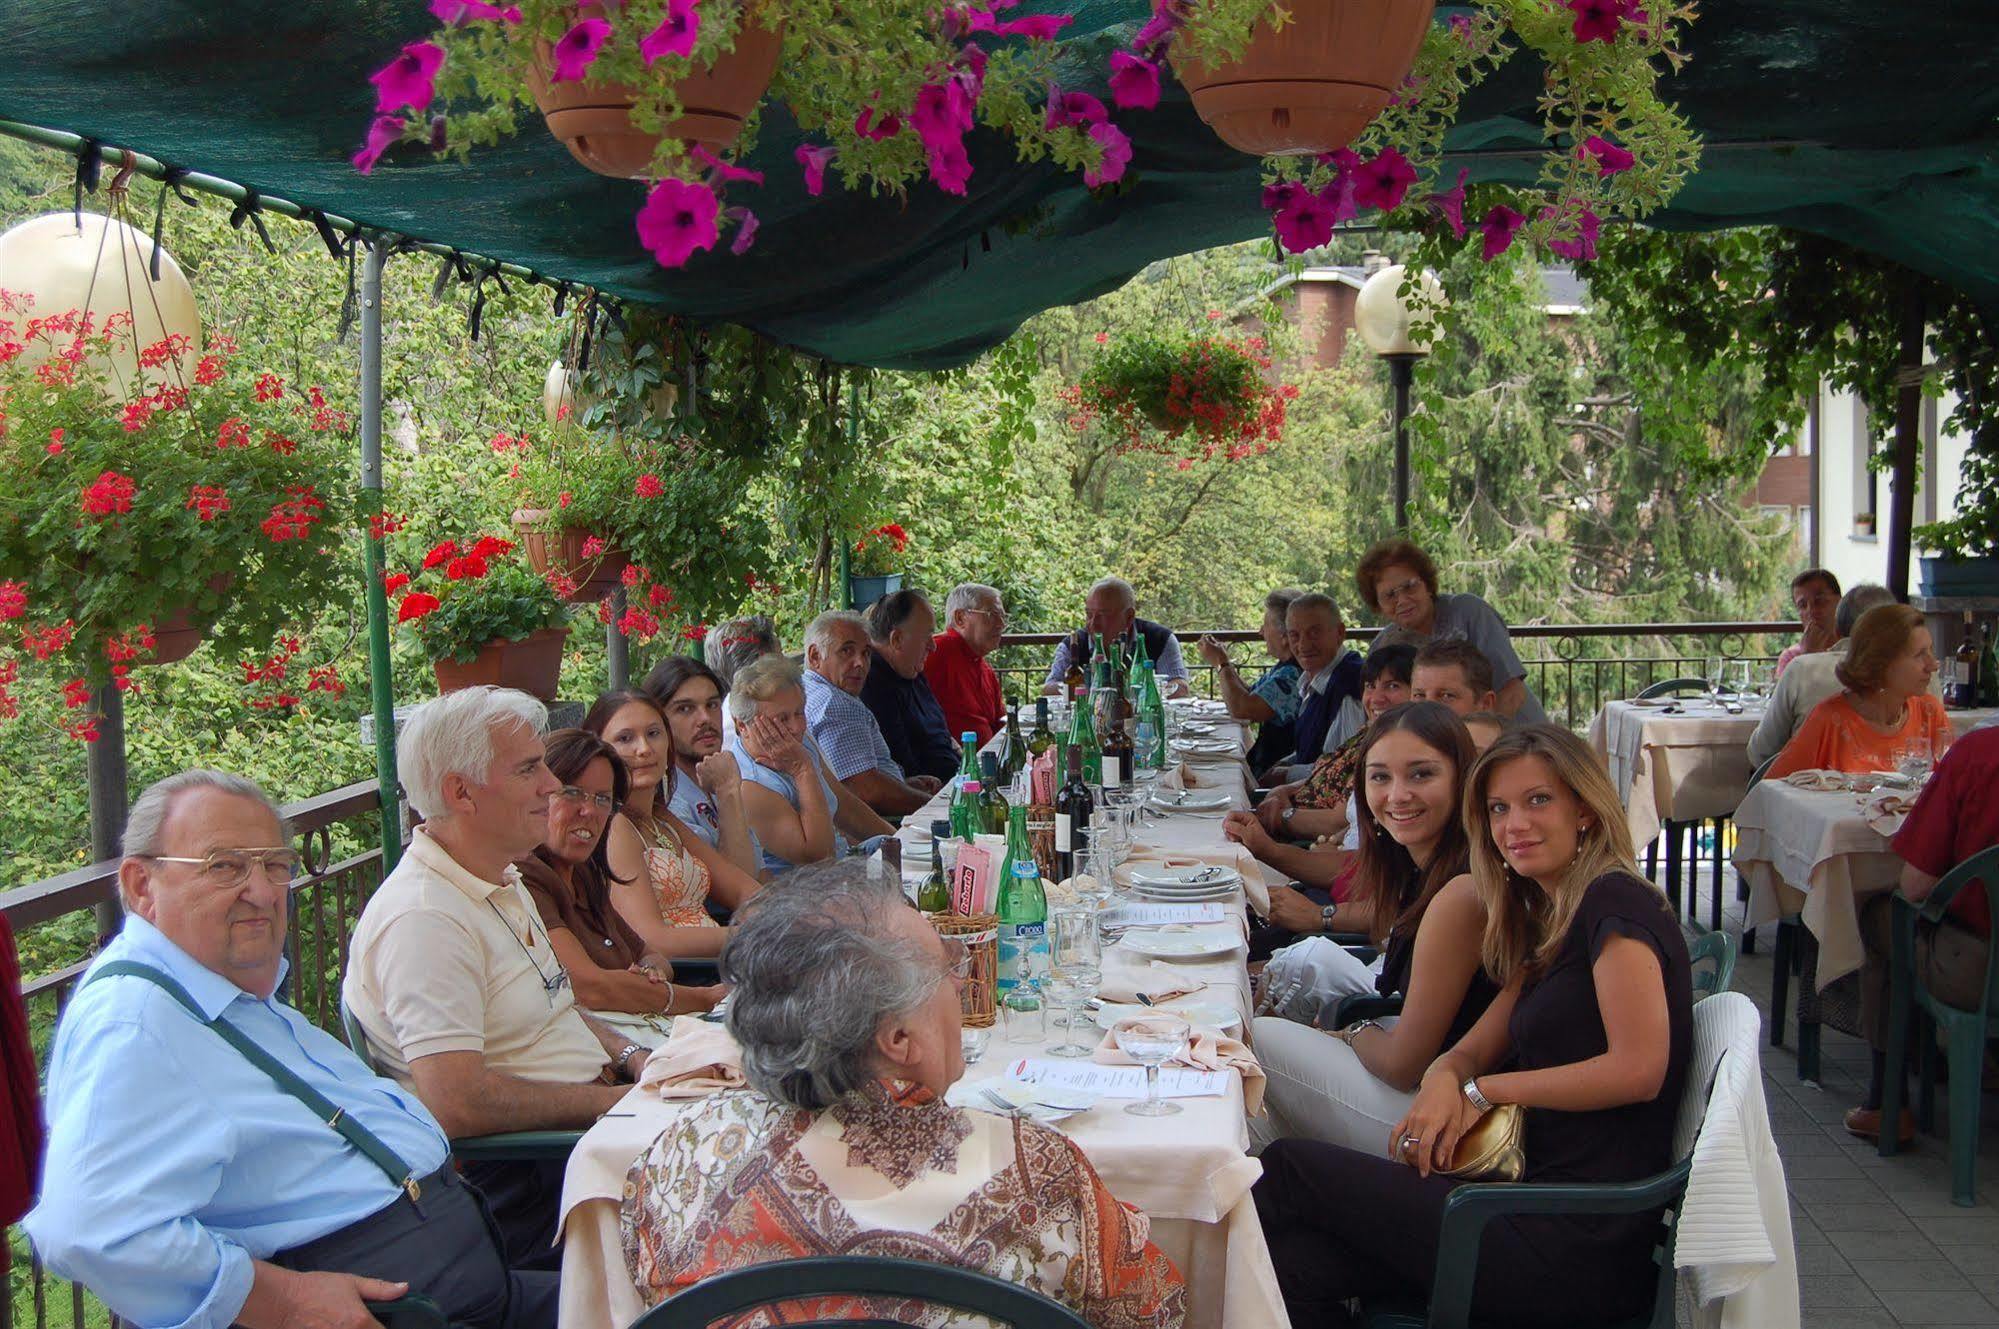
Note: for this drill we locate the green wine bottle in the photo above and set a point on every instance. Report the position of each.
(934, 895)
(1083, 736)
(992, 803)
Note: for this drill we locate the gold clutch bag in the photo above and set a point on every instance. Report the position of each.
(1494, 1149)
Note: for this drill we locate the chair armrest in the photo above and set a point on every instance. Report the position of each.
(1983, 864)
(1359, 1006)
(1471, 1207)
(507, 1146)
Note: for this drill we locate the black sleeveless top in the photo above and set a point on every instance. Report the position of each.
(1398, 957)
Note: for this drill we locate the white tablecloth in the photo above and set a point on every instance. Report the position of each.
(1683, 766)
(1190, 1173)
(1807, 852)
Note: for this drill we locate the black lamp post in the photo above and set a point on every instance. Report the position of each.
(1387, 321)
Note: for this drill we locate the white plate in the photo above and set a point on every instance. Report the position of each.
(1194, 800)
(1181, 944)
(1201, 1014)
(1197, 727)
(1156, 895)
(1197, 875)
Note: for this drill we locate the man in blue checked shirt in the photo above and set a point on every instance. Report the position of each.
(214, 1158)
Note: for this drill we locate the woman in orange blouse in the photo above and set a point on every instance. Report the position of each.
(1886, 705)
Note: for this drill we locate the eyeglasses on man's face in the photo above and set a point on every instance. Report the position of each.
(575, 797)
(998, 616)
(226, 869)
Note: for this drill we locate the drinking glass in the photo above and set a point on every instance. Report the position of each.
(1716, 668)
(1026, 1013)
(1152, 1040)
(972, 1042)
(1913, 760)
(1742, 677)
(1075, 970)
(1104, 856)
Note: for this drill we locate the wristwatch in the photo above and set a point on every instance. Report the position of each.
(1352, 1031)
(624, 1057)
(1326, 913)
(1478, 1100)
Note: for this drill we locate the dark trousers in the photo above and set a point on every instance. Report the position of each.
(446, 1248)
(1950, 963)
(525, 1198)
(1343, 1224)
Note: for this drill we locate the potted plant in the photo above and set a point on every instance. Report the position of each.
(483, 616)
(874, 567)
(1207, 388)
(1863, 524)
(886, 92)
(131, 526)
(578, 493)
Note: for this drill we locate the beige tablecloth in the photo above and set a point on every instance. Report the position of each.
(1191, 1173)
(1682, 766)
(1807, 852)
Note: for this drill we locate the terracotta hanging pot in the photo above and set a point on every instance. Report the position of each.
(174, 635)
(1315, 85)
(594, 120)
(595, 577)
(532, 665)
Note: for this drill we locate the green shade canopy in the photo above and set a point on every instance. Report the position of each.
(1867, 121)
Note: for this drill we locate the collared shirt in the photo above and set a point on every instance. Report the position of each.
(174, 1162)
(912, 723)
(443, 961)
(1467, 616)
(965, 686)
(783, 786)
(846, 731)
(1279, 688)
(1342, 676)
(691, 804)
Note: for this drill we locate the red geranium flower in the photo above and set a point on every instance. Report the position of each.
(13, 599)
(415, 605)
(394, 581)
(439, 553)
(109, 494)
(649, 486)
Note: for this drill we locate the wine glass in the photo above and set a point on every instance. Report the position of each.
(1152, 1040)
(1714, 673)
(1912, 759)
(1742, 677)
(1075, 970)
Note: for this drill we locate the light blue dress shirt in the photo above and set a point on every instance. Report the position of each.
(846, 731)
(173, 1162)
(690, 802)
(782, 785)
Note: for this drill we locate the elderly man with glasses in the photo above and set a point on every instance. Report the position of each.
(965, 685)
(451, 972)
(847, 1008)
(214, 1159)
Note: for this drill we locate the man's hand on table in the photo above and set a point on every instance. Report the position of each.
(1270, 811)
(928, 784)
(1244, 829)
(1293, 911)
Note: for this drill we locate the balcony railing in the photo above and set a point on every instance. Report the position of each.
(1572, 669)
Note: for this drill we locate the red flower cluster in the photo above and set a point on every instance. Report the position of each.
(13, 600)
(895, 535)
(293, 519)
(508, 443)
(279, 444)
(171, 347)
(394, 581)
(109, 494)
(415, 605)
(125, 649)
(209, 501)
(75, 693)
(472, 565)
(45, 643)
(209, 370)
(325, 678)
(233, 434)
(382, 525)
(649, 486)
(269, 386)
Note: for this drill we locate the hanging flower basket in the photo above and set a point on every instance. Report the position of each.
(1312, 86)
(1207, 392)
(577, 558)
(532, 665)
(594, 121)
(175, 635)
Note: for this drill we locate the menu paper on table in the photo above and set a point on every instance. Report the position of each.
(1160, 915)
(971, 881)
(1119, 1081)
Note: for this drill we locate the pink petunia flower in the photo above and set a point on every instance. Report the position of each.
(746, 230)
(1382, 181)
(1073, 108)
(1501, 224)
(727, 171)
(815, 160)
(1134, 81)
(409, 79)
(456, 13)
(1157, 32)
(1451, 204)
(1303, 219)
(677, 221)
(675, 34)
(938, 117)
(1610, 158)
(1037, 28)
(866, 127)
(1597, 20)
(1582, 247)
(383, 131)
(577, 50)
(1117, 155)
(951, 167)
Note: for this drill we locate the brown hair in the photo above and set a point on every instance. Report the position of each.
(1457, 651)
(1878, 640)
(1810, 575)
(1386, 555)
(608, 704)
(570, 752)
(1526, 925)
(1384, 873)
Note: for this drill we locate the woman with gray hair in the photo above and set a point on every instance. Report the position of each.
(731, 645)
(846, 1005)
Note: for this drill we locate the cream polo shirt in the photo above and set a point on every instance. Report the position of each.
(442, 961)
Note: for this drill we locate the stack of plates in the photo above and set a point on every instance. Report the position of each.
(1191, 800)
(1188, 885)
(1204, 747)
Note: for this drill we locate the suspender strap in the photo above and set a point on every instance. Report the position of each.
(350, 1130)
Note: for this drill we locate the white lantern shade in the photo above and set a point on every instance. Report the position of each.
(105, 266)
(1387, 321)
(557, 391)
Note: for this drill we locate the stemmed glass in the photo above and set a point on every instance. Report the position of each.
(1717, 668)
(1742, 676)
(1913, 760)
(1152, 1040)
(1075, 971)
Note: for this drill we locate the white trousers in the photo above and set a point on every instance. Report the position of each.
(1318, 1089)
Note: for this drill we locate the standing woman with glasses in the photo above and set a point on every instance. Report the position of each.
(661, 873)
(1398, 581)
(615, 978)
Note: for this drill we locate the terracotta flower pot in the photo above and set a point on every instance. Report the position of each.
(595, 577)
(594, 120)
(1312, 87)
(174, 635)
(532, 665)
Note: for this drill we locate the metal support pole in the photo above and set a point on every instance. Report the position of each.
(1908, 422)
(105, 762)
(617, 646)
(1401, 372)
(381, 683)
(853, 446)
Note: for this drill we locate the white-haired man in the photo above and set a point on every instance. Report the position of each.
(1110, 611)
(192, 1178)
(965, 685)
(838, 655)
(451, 973)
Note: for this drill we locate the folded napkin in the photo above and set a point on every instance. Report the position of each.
(1821, 780)
(1205, 1051)
(1885, 812)
(1131, 979)
(698, 1058)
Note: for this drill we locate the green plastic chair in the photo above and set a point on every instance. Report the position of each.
(731, 1294)
(1965, 1032)
(1720, 948)
(502, 1146)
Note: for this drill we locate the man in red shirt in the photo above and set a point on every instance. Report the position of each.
(1956, 817)
(965, 685)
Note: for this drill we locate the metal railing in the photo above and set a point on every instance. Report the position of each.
(339, 875)
(1572, 668)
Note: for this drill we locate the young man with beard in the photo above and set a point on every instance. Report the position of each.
(704, 791)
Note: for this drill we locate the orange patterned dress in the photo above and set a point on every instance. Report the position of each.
(679, 879)
(892, 1171)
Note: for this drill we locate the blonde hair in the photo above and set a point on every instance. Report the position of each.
(1878, 640)
(1526, 925)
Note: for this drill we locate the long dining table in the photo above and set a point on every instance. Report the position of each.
(1191, 1173)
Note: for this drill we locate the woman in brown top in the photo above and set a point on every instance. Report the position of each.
(616, 980)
